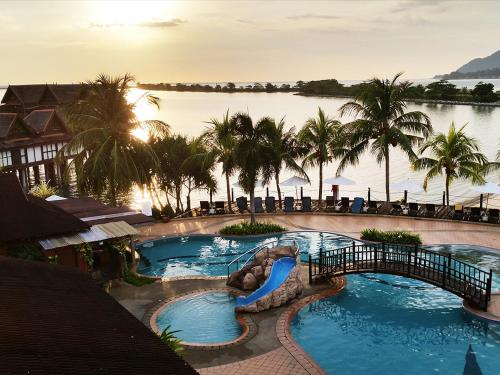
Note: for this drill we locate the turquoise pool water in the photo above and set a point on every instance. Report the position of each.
(382, 324)
(209, 255)
(206, 318)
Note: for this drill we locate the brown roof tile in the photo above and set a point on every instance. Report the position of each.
(39, 119)
(6, 121)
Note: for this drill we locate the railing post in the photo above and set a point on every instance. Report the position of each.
(444, 271)
(310, 270)
(353, 252)
(383, 254)
(409, 261)
(344, 259)
(375, 257)
(321, 260)
(415, 260)
(488, 288)
(449, 266)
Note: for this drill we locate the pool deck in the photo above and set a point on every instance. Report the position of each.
(270, 351)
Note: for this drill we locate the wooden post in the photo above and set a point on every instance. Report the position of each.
(267, 191)
(444, 198)
(301, 192)
(232, 195)
(369, 195)
(481, 202)
(406, 197)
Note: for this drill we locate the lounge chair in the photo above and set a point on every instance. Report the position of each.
(344, 204)
(458, 212)
(270, 204)
(330, 202)
(306, 204)
(257, 202)
(430, 210)
(396, 209)
(493, 216)
(241, 203)
(219, 207)
(289, 204)
(372, 207)
(413, 209)
(205, 207)
(357, 205)
(475, 214)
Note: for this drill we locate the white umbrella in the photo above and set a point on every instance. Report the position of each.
(338, 180)
(488, 188)
(295, 181)
(408, 185)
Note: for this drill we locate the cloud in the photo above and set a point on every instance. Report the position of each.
(242, 20)
(413, 5)
(152, 24)
(313, 16)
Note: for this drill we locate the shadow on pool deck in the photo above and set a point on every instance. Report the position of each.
(141, 301)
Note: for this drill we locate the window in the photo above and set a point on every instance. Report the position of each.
(49, 151)
(24, 160)
(5, 158)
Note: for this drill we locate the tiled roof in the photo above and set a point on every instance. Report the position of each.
(6, 121)
(55, 320)
(39, 119)
(30, 95)
(27, 217)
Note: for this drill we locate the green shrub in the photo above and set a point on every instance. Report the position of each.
(394, 237)
(245, 228)
(26, 250)
(169, 339)
(136, 279)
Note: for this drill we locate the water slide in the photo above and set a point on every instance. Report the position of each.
(279, 272)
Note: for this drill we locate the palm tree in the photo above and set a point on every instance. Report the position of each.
(455, 155)
(220, 143)
(287, 150)
(108, 159)
(317, 137)
(383, 122)
(252, 151)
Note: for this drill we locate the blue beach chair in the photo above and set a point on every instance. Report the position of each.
(357, 205)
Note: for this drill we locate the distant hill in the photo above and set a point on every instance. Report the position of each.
(486, 67)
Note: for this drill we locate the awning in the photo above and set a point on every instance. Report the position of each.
(96, 233)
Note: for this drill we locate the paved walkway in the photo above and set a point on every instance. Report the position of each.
(432, 231)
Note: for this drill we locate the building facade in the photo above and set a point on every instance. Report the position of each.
(33, 130)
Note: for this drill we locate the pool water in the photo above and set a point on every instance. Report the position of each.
(209, 255)
(383, 324)
(206, 318)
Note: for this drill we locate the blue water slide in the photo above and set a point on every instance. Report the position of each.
(279, 272)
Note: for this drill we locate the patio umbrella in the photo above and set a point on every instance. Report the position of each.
(337, 180)
(488, 188)
(295, 181)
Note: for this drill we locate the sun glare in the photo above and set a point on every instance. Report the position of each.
(128, 13)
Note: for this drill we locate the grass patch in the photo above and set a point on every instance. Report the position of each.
(245, 228)
(136, 279)
(394, 237)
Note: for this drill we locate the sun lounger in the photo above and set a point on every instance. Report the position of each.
(330, 202)
(493, 216)
(241, 203)
(430, 210)
(396, 209)
(258, 205)
(204, 207)
(219, 207)
(344, 204)
(270, 204)
(372, 207)
(289, 204)
(306, 204)
(412, 209)
(357, 205)
(458, 212)
(475, 214)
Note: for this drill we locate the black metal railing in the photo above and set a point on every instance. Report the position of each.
(443, 270)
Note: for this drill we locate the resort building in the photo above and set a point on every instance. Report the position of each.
(33, 130)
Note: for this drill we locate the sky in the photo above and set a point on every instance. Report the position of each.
(241, 41)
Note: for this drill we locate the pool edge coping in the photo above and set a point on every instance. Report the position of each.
(249, 329)
(284, 333)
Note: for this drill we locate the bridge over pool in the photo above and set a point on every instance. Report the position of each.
(442, 270)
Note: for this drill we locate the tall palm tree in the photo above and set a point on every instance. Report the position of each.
(252, 151)
(220, 144)
(455, 155)
(381, 122)
(317, 137)
(107, 157)
(287, 150)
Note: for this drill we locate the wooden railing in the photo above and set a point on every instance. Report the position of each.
(442, 270)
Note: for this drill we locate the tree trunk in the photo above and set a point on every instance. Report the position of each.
(320, 185)
(228, 189)
(447, 190)
(252, 205)
(188, 201)
(278, 189)
(387, 191)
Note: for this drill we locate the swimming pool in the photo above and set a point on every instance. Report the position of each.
(209, 255)
(202, 318)
(384, 324)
